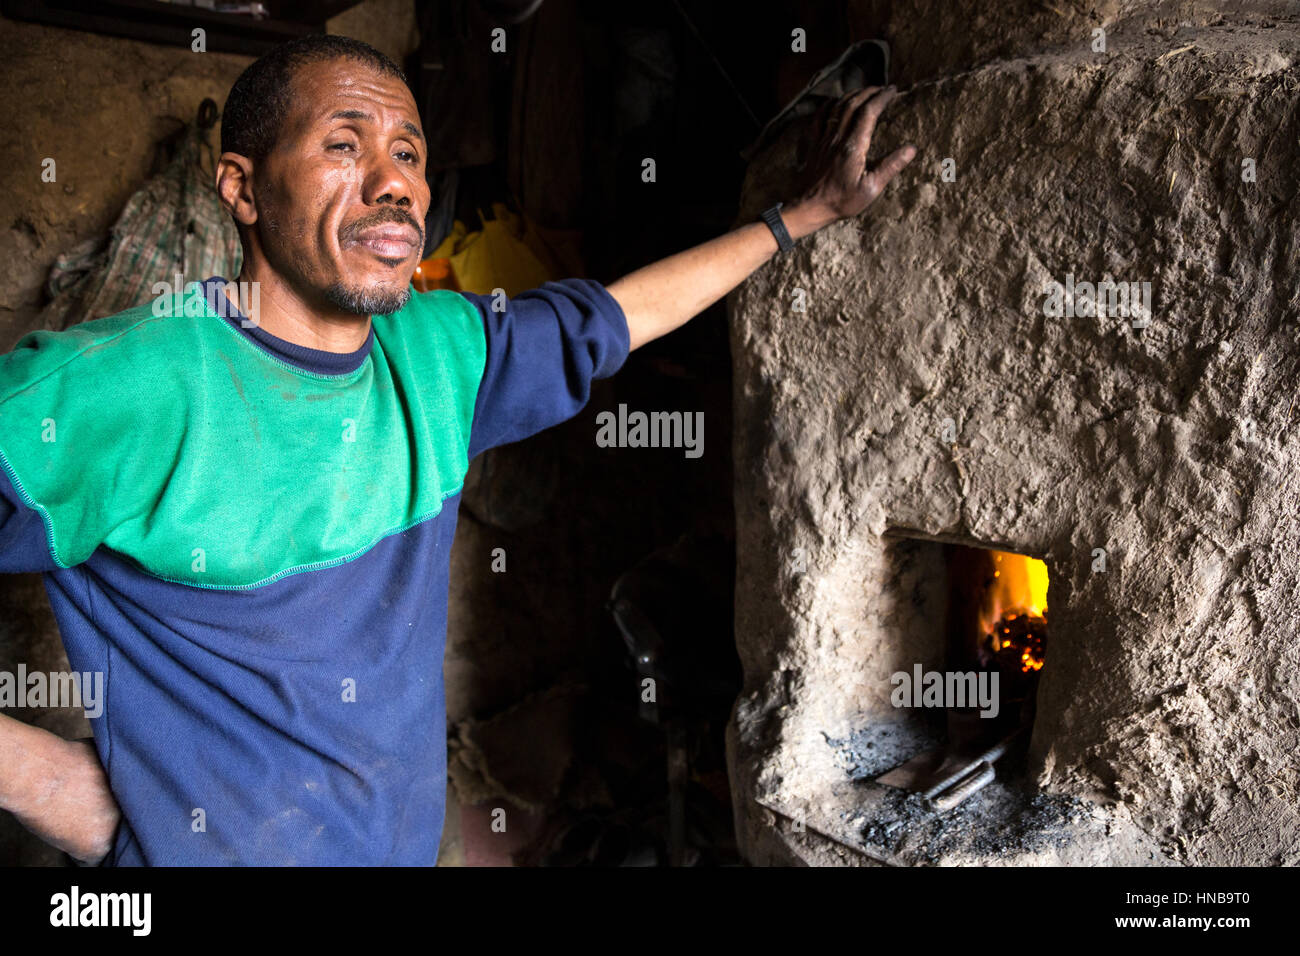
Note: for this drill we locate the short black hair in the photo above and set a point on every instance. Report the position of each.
(259, 100)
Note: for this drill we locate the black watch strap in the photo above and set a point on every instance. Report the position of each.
(773, 219)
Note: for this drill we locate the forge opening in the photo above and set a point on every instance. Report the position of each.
(942, 776)
(1004, 607)
(996, 618)
(995, 628)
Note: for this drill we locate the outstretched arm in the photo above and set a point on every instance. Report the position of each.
(57, 789)
(666, 294)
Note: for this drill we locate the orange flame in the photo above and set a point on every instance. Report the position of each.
(1014, 613)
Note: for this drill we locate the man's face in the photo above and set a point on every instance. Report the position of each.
(341, 198)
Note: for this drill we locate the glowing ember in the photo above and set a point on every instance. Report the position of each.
(1014, 615)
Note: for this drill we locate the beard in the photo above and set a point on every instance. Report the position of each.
(348, 297)
(362, 301)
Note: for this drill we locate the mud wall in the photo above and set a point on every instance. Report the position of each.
(927, 390)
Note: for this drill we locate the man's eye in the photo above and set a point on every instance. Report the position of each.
(339, 146)
(409, 156)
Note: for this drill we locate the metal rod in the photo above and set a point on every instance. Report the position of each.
(950, 780)
(990, 756)
(982, 776)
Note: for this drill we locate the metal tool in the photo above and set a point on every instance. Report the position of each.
(945, 778)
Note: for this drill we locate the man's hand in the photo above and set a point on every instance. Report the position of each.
(57, 789)
(663, 295)
(837, 182)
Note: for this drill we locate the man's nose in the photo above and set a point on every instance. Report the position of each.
(385, 183)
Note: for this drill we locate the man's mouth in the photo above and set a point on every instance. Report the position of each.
(389, 241)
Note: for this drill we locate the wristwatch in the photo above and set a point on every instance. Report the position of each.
(773, 219)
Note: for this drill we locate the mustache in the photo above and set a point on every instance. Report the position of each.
(381, 216)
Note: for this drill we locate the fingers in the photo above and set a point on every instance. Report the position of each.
(840, 175)
(847, 106)
(890, 167)
(864, 123)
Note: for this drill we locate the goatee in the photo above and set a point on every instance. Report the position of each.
(366, 301)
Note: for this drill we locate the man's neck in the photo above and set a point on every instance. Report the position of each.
(282, 313)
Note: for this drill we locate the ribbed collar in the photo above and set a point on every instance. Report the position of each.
(312, 360)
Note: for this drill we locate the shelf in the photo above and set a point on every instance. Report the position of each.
(172, 24)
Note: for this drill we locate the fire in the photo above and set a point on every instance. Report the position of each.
(1014, 615)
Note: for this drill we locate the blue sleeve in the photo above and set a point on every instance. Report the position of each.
(544, 349)
(23, 543)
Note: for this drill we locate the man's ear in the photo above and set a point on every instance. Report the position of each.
(235, 187)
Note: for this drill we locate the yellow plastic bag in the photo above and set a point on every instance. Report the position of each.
(497, 256)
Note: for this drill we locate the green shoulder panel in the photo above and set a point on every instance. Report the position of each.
(166, 435)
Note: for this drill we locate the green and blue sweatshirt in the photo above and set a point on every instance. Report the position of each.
(250, 540)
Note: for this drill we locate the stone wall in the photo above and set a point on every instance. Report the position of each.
(1170, 699)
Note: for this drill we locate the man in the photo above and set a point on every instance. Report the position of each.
(244, 521)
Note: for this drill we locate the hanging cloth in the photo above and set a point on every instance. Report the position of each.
(174, 224)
